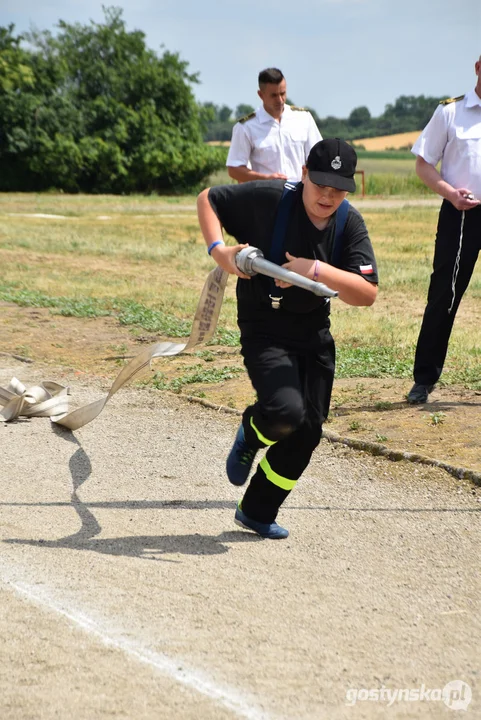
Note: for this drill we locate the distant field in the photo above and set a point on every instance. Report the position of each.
(386, 142)
(218, 143)
(386, 165)
(371, 166)
(375, 159)
(141, 261)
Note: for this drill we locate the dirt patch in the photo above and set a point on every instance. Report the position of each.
(371, 410)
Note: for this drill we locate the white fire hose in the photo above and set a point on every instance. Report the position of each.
(50, 399)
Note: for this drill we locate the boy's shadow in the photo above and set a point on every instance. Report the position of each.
(146, 547)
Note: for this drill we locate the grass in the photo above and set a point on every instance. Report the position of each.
(81, 205)
(195, 374)
(382, 176)
(380, 341)
(384, 155)
(389, 173)
(127, 312)
(390, 183)
(437, 418)
(148, 272)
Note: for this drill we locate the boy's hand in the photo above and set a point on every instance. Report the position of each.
(224, 255)
(302, 266)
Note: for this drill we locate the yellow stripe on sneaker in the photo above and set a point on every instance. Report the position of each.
(274, 478)
(261, 436)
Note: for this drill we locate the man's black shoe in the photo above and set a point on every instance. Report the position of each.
(419, 394)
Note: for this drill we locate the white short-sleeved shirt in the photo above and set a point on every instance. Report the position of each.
(268, 146)
(453, 135)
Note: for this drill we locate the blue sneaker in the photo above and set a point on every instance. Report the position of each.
(240, 459)
(273, 531)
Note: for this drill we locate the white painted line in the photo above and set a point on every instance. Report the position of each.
(171, 215)
(158, 213)
(171, 667)
(40, 215)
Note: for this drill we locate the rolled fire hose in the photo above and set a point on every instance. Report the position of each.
(50, 399)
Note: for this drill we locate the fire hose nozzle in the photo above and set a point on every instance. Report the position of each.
(251, 261)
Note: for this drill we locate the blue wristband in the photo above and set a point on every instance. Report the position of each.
(214, 244)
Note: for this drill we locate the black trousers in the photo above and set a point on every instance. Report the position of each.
(293, 387)
(446, 289)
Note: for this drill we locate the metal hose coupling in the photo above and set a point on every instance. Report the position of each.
(251, 261)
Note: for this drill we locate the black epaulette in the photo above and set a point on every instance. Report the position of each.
(246, 117)
(450, 100)
(295, 107)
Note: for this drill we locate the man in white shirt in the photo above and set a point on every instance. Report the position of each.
(274, 141)
(452, 136)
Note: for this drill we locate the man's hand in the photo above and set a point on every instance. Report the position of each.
(224, 255)
(456, 196)
(243, 174)
(461, 199)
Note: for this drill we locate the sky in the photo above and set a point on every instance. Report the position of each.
(336, 55)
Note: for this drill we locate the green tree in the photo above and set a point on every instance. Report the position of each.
(411, 109)
(103, 114)
(15, 74)
(359, 116)
(224, 113)
(242, 110)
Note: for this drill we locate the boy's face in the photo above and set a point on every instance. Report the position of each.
(320, 201)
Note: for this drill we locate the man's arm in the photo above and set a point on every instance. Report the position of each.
(211, 229)
(431, 177)
(239, 156)
(242, 173)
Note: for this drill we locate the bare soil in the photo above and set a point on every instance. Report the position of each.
(370, 410)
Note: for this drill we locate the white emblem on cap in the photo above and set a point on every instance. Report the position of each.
(336, 163)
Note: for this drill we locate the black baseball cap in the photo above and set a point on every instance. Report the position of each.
(332, 162)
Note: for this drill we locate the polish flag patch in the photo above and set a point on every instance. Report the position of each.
(366, 269)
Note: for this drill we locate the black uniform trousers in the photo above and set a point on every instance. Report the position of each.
(293, 386)
(440, 311)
